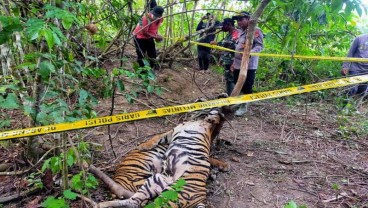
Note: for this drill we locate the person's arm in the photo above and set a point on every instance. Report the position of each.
(346, 65)
(200, 25)
(257, 42)
(157, 36)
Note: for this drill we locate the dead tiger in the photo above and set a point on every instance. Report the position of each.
(186, 157)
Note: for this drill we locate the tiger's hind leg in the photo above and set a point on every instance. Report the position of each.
(153, 187)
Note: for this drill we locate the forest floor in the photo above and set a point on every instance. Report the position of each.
(282, 149)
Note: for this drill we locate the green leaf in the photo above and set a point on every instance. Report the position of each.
(70, 160)
(45, 69)
(51, 202)
(115, 72)
(76, 182)
(34, 27)
(3, 88)
(179, 183)
(151, 205)
(67, 22)
(151, 75)
(336, 5)
(68, 194)
(158, 90)
(83, 95)
(56, 39)
(46, 165)
(335, 186)
(55, 164)
(58, 33)
(30, 65)
(150, 88)
(91, 181)
(5, 36)
(49, 36)
(5, 123)
(359, 10)
(291, 204)
(9, 26)
(170, 195)
(10, 102)
(120, 85)
(159, 201)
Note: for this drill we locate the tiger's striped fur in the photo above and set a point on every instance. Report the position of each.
(186, 157)
(138, 165)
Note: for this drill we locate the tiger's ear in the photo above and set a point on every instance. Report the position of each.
(201, 99)
(223, 95)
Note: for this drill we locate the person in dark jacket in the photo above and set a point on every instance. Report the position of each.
(358, 49)
(204, 53)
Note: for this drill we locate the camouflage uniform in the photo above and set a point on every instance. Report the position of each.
(227, 58)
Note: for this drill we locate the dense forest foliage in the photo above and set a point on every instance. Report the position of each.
(52, 54)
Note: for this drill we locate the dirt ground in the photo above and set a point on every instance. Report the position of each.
(283, 149)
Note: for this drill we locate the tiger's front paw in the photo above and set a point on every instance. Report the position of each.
(224, 166)
(143, 147)
(221, 165)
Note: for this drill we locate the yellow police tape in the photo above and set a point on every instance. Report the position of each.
(164, 111)
(347, 59)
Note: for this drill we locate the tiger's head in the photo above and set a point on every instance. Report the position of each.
(206, 112)
(214, 116)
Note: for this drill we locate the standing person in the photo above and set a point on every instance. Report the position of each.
(145, 35)
(358, 49)
(204, 53)
(227, 57)
(243, 21)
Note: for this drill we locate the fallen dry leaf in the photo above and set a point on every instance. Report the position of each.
(235, 159)
(34, 203)
(250, 154)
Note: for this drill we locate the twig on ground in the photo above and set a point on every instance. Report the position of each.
(358, 170)
(294, 162)
(170, 121)
(205, 83)
(93, 203)
(264, 150)
(335, 198)
(196, 84)
(20, 172)
(19, 195)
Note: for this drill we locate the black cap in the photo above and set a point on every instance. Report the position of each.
(241, 15)
(227, 21)
(157, 11)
